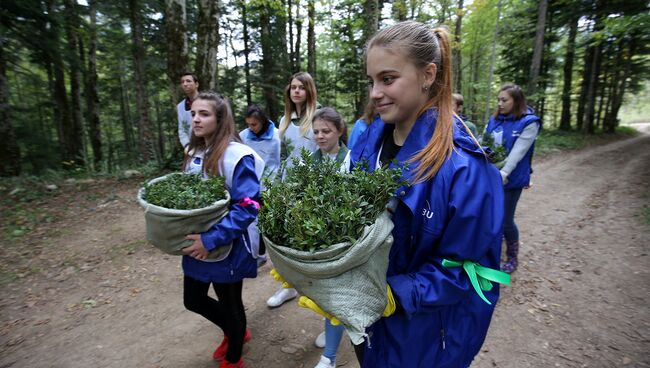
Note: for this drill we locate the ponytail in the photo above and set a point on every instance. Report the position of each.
(441, 144)
(424, 46)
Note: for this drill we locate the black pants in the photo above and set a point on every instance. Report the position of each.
(359, 351)
(227, 312)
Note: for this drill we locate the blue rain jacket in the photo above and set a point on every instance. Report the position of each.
(505, 130)
(240, 263)
(457, 215)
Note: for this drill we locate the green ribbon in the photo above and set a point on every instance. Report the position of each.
(480, 277)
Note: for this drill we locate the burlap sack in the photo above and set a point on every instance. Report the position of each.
(167, 228)
(346, 280)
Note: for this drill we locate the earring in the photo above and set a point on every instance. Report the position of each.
(425, 87)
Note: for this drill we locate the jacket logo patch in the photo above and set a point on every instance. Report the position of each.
(426, 212)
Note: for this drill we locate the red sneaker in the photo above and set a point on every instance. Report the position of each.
(227, 364)
(222, 349)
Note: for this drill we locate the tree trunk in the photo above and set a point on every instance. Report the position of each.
(371, 15)
(207, 44)
(565, 120)
(247, 67)
(160, 126)
(61, 109)
(371, 10)
(592, 81)
(590, 98)
(92, 96)
(125, 112)
(177, 54)
(602, 95)
(292, 53)
(492, 60)
(145, 131)
(311, 39)
(611, 122)
(72, 31)
(9, 150)
(584, 86)
(267, 62)
(457, 71)
(539, 49)
(297, 59)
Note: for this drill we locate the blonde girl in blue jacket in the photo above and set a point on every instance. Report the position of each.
(215, 149)
(448, 218)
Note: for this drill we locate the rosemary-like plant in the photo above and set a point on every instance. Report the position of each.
(317, 206)
(185, 191)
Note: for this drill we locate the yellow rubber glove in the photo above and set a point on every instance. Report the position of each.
(305, 302)
(274, 273)
(390, 305)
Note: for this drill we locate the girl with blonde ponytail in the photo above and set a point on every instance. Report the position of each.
(448, 216)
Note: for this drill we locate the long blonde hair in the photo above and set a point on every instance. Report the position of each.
(307, 110)
(216, 144)
(422, 46)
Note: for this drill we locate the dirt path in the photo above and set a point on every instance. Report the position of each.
(86, 291)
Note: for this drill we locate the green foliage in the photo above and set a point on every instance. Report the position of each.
(341, 31)
(18, 195)
(497, 153)
(317, 206)
(645, 211)
(185, 191)
(476, 50)
(549, 141)
(556, 140)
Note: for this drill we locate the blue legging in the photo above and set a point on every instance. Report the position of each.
(510, 230)
(333, 335)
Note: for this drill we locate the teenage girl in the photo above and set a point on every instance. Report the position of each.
(296, 133)
(215, 149)
(515, 126)
(330, 133)
(262, 136)
(449, 214)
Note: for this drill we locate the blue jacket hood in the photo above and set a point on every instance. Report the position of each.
(267, 135)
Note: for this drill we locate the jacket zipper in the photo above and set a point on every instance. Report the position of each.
(442, 335)
(442, 332)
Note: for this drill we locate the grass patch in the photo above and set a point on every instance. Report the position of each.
(645, 210)
(550, 141)
(557, 140)
(626, 131)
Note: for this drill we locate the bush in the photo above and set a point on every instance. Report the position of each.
(185, 191)
(317, 206)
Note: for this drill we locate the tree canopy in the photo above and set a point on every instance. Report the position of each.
(92, 86)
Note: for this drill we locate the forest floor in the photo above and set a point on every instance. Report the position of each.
(84, 289)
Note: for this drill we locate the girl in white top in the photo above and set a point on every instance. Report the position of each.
(296, 133)
(296, 124)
